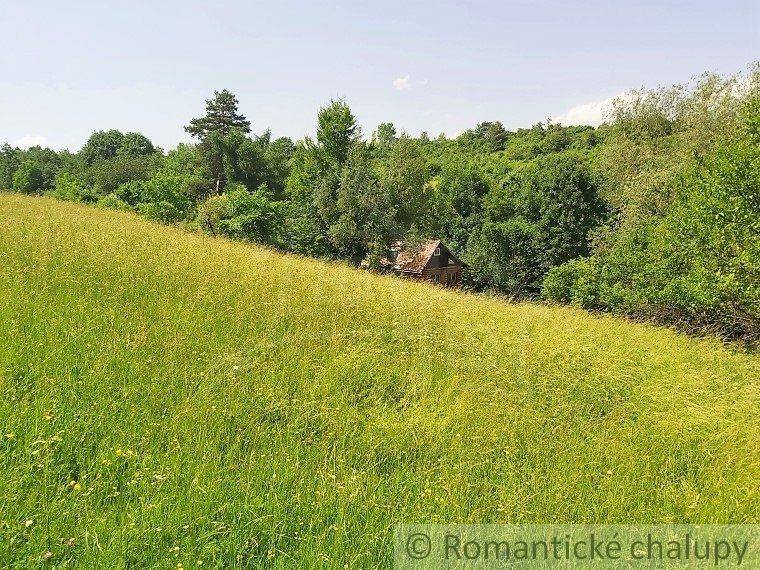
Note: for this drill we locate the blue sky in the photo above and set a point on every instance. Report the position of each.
(68, 68)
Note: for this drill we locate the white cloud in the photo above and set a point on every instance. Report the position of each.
(402, 83)
(31, 140)
(593, 113)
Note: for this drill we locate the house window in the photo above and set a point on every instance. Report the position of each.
(436, 278)
(437, 251)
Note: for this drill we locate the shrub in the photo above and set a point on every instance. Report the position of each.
(108, 174)
(573, 282)
(164, 188)
(241, 214)
(28, 178)
(212, 212)
(73, 189)
(130, 192)
(112, 202)
(540, 217)
(162, 211)
(559, 281)
(586, 289)
(697, 265)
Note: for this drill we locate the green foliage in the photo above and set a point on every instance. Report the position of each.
(101, 145)
(277, 156)
(112, 202)
(365, 213)
(221, 117)
(130, 192)
(166, 189)
(136, 144)
(221, 132)
(9, 163)
(496, 136)
(254, 216)
(164, 197)
(699, 264)
(70, 187)
(241, 214)
(644, 216)
(384, 137)
(336, 131)
(48, 161)
(305, 230)
(457, 195)
(684, 166)
(212, 212)
(236, 158)
(541, 217)
(405, 175)
(244, 160)
(105, 145)
(573, 282)
(524, 144)
(188, 162)
(29, 178)
(107, 175)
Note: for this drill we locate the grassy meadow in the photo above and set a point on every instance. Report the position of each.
(175, 399)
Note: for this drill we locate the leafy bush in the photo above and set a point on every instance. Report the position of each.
(161, 211)
(560, 282)
(108, 174)
(254, 216)
(112, 202)
(212, 212)
(188, 162)
(165, 189)
(130, 192)
(243, 215)
(700, 264)
(694, 261)
(69, 187)
(28, 178)
(541, 217)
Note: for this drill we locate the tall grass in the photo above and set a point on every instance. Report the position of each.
(171, 399)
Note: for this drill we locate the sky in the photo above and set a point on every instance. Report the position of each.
(69, 68)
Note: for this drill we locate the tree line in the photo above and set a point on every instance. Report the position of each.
(655, 214)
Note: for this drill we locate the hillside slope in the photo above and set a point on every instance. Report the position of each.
(169, 397)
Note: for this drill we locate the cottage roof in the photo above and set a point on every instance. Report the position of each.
(406, 259)
(414, 260)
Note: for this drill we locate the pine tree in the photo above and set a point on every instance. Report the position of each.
(221, 117)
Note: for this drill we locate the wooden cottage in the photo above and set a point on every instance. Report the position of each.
(430, 261)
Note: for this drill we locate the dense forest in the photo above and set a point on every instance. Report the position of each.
(655, 214)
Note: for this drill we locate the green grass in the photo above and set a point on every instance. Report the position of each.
(169, 397)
